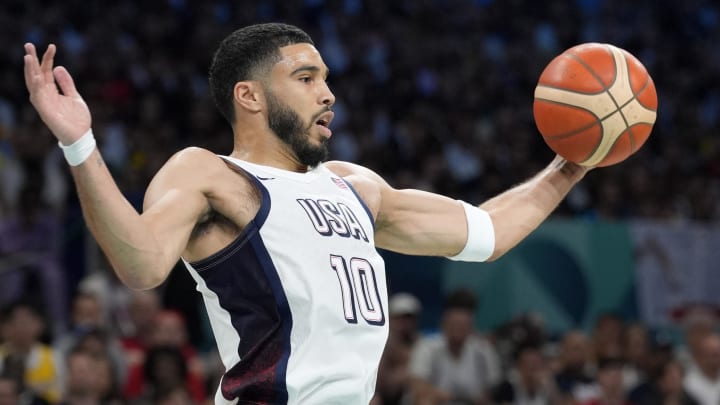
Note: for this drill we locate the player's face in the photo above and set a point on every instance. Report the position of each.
(302, 117)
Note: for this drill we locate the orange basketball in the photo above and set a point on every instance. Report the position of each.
(595, 104)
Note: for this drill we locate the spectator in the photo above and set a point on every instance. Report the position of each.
(573, 377)
(165, 372)
(404, 311)
(12, 386)
(703, 381)
(666, 387)
(169, 331)
(607, 336)
(89, 380)
(88, 320)
(104, 346)
(30, 248)
(21, 327)
(393, 380)
(459, 365)
(114, 297)
(528, 382)
(698, 322)
(9, 391)
(143, 310)
(610, 383)
(636, 349)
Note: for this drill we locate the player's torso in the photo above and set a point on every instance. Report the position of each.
(310, 248)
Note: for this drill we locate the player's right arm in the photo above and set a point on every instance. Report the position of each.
(142, 249)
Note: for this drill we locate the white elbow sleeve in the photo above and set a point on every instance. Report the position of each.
(481, 236)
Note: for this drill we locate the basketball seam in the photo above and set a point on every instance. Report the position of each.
(617, 105)
(584, 109)
(622, 114)
(595, 75)
(634, 97)
(632, 140)
(576, 131)
(573, 90)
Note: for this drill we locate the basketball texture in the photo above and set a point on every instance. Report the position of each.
(595, 104)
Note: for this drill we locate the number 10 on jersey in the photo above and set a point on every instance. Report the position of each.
(358, 285)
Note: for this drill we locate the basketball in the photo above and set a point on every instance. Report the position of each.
(595, 104)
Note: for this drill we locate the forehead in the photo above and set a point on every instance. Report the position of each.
(295, 56)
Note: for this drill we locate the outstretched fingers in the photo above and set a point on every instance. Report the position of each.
(32, 67)
(47, 63)
(65, 81)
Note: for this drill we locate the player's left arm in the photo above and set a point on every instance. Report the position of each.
(422, 223)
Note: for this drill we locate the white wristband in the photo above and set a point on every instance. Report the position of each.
(80, 150)
(480, 243)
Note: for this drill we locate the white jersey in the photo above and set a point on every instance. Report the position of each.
(298, 302)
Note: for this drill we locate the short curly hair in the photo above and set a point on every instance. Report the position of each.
(245, 55)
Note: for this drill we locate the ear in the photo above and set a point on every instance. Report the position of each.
(247, 96)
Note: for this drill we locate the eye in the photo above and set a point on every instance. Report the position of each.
(305, 79)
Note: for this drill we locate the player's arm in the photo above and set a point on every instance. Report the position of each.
(520, 210)
(142, 249)
(421, 223)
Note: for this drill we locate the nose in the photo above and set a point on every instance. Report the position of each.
(326, 96)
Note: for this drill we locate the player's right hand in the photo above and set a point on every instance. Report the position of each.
(66, 113)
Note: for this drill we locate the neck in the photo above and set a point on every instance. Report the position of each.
(265, 149)
(284, 161)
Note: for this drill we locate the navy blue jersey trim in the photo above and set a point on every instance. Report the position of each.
(252, 257)
(248, 232)
(278, 291)
(285, 316)
(367, 210)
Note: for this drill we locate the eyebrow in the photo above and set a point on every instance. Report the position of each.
(309, 68)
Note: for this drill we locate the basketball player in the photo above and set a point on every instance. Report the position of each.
(281, 245)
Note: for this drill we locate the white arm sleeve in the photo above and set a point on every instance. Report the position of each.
(481, 236)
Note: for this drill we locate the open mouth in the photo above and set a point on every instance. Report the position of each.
(323, 122)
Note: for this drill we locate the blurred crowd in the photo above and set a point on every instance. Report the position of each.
(431, 94)
(125, 347)
(121, 347)
(616, 363)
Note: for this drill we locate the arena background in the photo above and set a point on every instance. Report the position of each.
(434, 95)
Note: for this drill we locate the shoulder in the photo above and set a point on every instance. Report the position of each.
(194, 160)
(368, 184)
(191, 171)
(191, 166)
(346, 169)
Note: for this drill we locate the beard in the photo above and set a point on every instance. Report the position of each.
(289, 127)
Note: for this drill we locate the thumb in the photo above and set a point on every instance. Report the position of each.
(65, 81)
